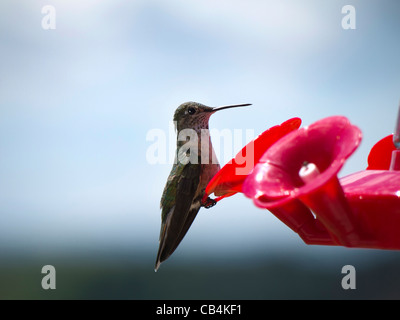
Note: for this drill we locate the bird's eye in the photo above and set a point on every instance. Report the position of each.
(191, 110)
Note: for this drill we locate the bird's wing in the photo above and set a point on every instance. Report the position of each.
(179, 208)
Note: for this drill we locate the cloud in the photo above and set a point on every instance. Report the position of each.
(286, 24)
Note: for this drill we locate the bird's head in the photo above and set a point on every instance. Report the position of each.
(195, 115)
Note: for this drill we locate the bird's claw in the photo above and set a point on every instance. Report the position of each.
(208, 203)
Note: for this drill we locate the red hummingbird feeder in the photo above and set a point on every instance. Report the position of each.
(295, 177)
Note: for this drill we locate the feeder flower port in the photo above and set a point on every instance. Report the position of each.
(294, 176)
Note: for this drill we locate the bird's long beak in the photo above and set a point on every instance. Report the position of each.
(232, 106)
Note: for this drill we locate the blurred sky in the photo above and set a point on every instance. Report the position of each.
(77, 102)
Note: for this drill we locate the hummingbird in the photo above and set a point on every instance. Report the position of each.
(193, 168)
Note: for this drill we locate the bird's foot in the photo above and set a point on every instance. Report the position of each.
(208, 203)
